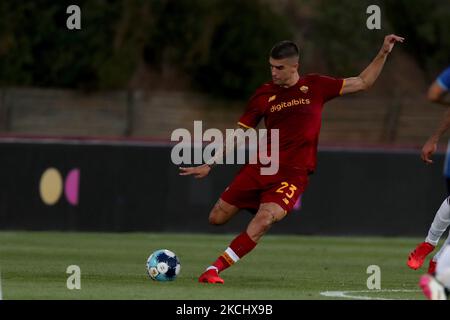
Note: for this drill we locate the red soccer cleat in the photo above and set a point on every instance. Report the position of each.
(210, 276)
(432, 267)
(417, 257)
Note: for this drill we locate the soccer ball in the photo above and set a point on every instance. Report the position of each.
(163, 265)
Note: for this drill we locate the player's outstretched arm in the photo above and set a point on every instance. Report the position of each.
(431, 145)
(368, 77)
(229, 146)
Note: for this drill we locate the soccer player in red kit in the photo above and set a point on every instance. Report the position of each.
(293, 105)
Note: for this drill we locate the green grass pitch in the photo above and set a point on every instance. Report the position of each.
(33, 266)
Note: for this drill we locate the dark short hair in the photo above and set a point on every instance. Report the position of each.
(284, 49)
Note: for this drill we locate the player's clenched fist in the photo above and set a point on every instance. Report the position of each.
(427, 151)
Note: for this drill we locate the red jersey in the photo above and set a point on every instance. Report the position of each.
(297, 113)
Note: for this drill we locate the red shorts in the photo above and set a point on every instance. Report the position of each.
(249, 188)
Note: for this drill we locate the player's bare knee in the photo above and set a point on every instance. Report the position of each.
(215, 220)
(216, 217)
(266, 218)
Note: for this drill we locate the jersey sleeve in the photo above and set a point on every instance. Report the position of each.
(254, 111)
(444, 79)
(330, 87)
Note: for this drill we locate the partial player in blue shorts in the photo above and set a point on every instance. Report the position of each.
(437, 93)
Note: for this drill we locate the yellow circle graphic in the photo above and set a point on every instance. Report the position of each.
(51, 186)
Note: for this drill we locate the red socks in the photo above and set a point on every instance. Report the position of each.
(239, 247)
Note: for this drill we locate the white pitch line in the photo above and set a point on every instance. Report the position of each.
(350, 294)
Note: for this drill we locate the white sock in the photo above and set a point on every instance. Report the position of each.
(440, 223)
(439, 253)
(443, 267)
(212, 267)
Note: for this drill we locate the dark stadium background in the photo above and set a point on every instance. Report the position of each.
(138, 70)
